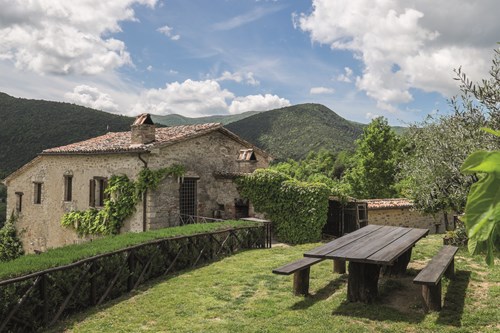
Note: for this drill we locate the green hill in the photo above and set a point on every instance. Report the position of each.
(29, 126)
(176, 119)
(294, 131)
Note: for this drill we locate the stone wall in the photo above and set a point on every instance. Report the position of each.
(208, 159)
(39, 224)
(405, 217)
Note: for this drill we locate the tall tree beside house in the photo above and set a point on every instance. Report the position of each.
(374, 163)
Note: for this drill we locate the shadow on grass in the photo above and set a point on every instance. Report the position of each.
(321, 294)
(397, 302)
(454, 300)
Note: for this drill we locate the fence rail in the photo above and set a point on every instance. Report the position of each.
(40, 299)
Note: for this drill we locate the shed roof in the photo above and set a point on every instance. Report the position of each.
(394, 203)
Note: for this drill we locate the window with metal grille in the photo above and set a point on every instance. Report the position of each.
(187, 197)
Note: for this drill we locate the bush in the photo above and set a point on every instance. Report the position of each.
(298, 209)
(10, 244)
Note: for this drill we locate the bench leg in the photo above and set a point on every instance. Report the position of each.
(362, 283)
(450, 271)
(431, 296)
(339, 266)
(301, 282)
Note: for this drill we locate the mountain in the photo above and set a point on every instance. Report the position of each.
(291, 132)
(29, 126)
(176, 119)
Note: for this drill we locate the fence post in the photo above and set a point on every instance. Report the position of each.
(44, 299)
(131, 269)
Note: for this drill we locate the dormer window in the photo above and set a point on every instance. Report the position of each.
(247, 155)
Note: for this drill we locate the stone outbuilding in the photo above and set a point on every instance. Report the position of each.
(400, 212)
(73, 177)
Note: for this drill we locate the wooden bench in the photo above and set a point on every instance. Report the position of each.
(301, 269)
(430, 276)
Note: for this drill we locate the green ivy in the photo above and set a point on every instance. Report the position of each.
(298, 209)
(123, 196)
(10, 244)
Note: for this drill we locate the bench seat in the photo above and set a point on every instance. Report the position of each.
(301, 269)
(430, 276)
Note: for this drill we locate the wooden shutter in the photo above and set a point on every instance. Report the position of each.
(92, 193)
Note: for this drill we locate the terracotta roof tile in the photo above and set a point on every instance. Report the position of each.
(119, 142)
(389, 203)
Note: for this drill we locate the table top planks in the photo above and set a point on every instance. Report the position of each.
(375, 245)
(321, 251)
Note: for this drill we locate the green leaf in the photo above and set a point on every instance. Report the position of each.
(482, 161)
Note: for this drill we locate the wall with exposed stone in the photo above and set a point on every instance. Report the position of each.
(210, 159)
(405, 217)
(207, 158)
(39, 224)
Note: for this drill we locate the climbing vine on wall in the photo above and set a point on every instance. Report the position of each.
(123, 196)
(298, 209)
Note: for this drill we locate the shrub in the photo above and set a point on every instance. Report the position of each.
(298, 209)
(10, 245)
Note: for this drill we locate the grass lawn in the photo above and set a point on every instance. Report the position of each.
(240, 294)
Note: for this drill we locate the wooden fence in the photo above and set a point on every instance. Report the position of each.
(39, 300)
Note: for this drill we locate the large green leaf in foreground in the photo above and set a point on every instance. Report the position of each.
(482, 211)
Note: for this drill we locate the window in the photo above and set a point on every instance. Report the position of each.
(247, 155)
(97, 187)
(19, 201)
(68, 188)
(37, 197)
(187, 197)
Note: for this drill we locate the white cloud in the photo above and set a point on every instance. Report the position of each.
(91, 97)
(239, 77)
(371, 116)
(189, 98)
(168, 31)
(406, 44)
(64, 37)
(149, 68)
(200, 98)
(346, 76)
(321, 90)
(246, 18)
(257, 103)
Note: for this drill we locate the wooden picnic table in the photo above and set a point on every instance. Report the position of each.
(367, 250)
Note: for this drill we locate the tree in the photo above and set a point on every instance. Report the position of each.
(482, 212)
(375, 162)
(435, 151)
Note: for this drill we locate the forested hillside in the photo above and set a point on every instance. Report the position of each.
(29, 126)
(294, 131)
(177, 119)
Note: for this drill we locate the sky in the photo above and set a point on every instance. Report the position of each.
(360, 58)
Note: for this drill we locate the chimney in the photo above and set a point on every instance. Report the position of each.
(142, 130)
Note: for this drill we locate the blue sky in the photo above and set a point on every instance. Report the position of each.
(361, 58)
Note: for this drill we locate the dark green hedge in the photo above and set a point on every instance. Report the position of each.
(297, 209)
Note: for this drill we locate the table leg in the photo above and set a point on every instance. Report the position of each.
(362, 283)
(339, 266)
(399, 266)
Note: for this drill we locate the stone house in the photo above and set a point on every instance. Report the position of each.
(73, 177)
(400, 212)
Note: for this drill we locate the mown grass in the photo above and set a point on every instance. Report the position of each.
(72, 253)
(240, 294)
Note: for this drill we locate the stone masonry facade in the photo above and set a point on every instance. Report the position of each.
(209, 155)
